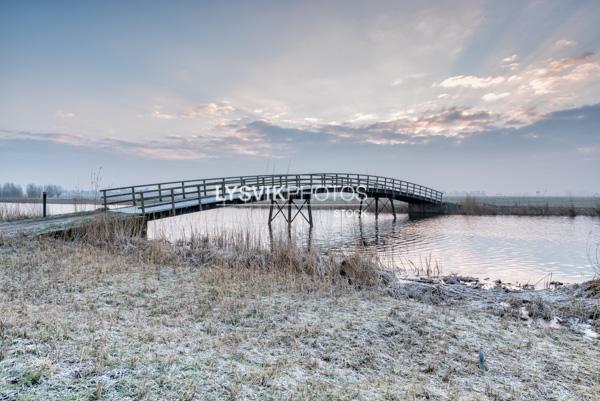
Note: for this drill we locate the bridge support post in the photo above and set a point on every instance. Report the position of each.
(391, 200)
(289, 216)
(379, 207)
(271, 211)
(360, 207)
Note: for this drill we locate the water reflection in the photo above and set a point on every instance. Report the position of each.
(510, 248)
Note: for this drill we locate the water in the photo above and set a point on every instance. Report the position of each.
(514, 249)
(35, 209)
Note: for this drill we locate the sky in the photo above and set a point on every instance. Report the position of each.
(494, 96)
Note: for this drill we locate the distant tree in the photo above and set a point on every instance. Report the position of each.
(10, 190)
(53, 191)
(33, 191)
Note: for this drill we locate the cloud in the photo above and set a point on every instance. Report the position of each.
(163, 116)
(587, 150)
(210, 109)
(576, 129)
(492, 97)
(511, 62)
(510, 59)
(564, 43)
(400, 81)
(547, 78)
(449, 122)
(206, 110)
(471, 81)
(62, 114)
(548, 84)
(173, 147)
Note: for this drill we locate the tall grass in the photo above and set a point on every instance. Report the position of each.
(424, 267)
(594, 258)
(235, 251)
(474, 206)
(16, 211)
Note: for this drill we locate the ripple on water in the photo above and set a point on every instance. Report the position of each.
(510, 248)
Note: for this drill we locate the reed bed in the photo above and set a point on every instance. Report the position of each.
(474, 206)
(15, 211)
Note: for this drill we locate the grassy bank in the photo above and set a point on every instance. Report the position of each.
(479, 207)
(53, 201)
(16, 211)
(112, 319)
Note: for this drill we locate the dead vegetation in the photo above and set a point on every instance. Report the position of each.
(15, 211)
(592, 288)
(113, 316)
(478, 207)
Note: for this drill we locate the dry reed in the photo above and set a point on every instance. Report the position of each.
(16, 211)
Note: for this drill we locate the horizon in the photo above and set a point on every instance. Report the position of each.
(502, 98)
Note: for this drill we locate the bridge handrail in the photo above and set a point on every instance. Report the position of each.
(173, 189)
(237, 177)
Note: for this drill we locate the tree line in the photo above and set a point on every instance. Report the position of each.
(14, 191)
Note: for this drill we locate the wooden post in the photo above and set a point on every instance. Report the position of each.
(271, 212)
(142, 200)
(104, 198)
(393, 208)
(289, 210)
(376, 206)
(44, 196)
(310, 220)
(133, 195)
(159, 193)
(172, 202)
(183, 189)
(199, 198)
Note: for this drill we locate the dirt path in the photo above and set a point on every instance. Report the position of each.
(42, 226)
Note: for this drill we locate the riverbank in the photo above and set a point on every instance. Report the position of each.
(145, 320)
(475, 206)
(56, 201)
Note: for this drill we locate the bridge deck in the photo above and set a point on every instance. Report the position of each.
(161, 199)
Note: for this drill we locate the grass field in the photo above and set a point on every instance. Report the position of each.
(82, 320)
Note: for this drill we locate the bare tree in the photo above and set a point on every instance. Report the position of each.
(10, 190)
(33, 191)
(53, 191)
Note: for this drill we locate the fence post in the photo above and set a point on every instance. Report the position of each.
(183, 189)
(104, 198)
(44, 196)
(172, 202)
(133, 195)
(142, 200)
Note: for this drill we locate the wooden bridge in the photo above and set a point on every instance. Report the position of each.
(289, 195)
(295, 191)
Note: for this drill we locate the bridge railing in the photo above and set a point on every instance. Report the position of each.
(172, 192)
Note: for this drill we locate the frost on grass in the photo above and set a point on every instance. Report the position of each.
(81, 322)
